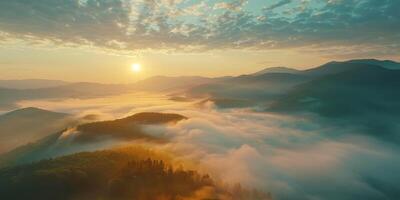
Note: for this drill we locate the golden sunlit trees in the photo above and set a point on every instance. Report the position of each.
(128, 173)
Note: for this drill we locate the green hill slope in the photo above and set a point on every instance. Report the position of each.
(127, 173)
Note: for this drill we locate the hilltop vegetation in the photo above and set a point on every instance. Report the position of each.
(126, 173)
(128, 128)
(88, 134)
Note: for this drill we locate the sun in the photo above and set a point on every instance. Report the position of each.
(136, 67)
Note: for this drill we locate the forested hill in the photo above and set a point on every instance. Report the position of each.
(128, 173)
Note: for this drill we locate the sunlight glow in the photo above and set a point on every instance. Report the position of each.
(136, 67)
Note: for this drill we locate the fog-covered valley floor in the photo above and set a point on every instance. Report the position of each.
(300, 156)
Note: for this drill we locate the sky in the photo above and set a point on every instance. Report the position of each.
(98, 40)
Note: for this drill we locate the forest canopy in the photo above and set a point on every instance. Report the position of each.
(124, 173)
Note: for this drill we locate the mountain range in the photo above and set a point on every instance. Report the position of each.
(12, 93)
(31, 83)
(263, 89)
(261, 86)
(366, 89)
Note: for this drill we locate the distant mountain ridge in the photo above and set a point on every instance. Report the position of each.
(389, 64)
(82, 90)
(29, 112)
(263, 85)
(277, 70)
(31, 83)
(166, 83)
(332, 67)
(263, 89)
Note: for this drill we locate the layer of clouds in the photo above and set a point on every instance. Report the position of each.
(127, 25)
(293, 157)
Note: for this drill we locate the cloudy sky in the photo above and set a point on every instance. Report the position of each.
(100, 39)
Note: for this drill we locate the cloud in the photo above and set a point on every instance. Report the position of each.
(284, 156)
(293, 157)
(125, 25)
(233, 6)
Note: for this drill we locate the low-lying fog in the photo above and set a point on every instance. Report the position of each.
(293, 157)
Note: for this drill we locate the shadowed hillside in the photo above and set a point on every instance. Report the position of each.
(367, 97)
(26, 125)
(354, 92)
